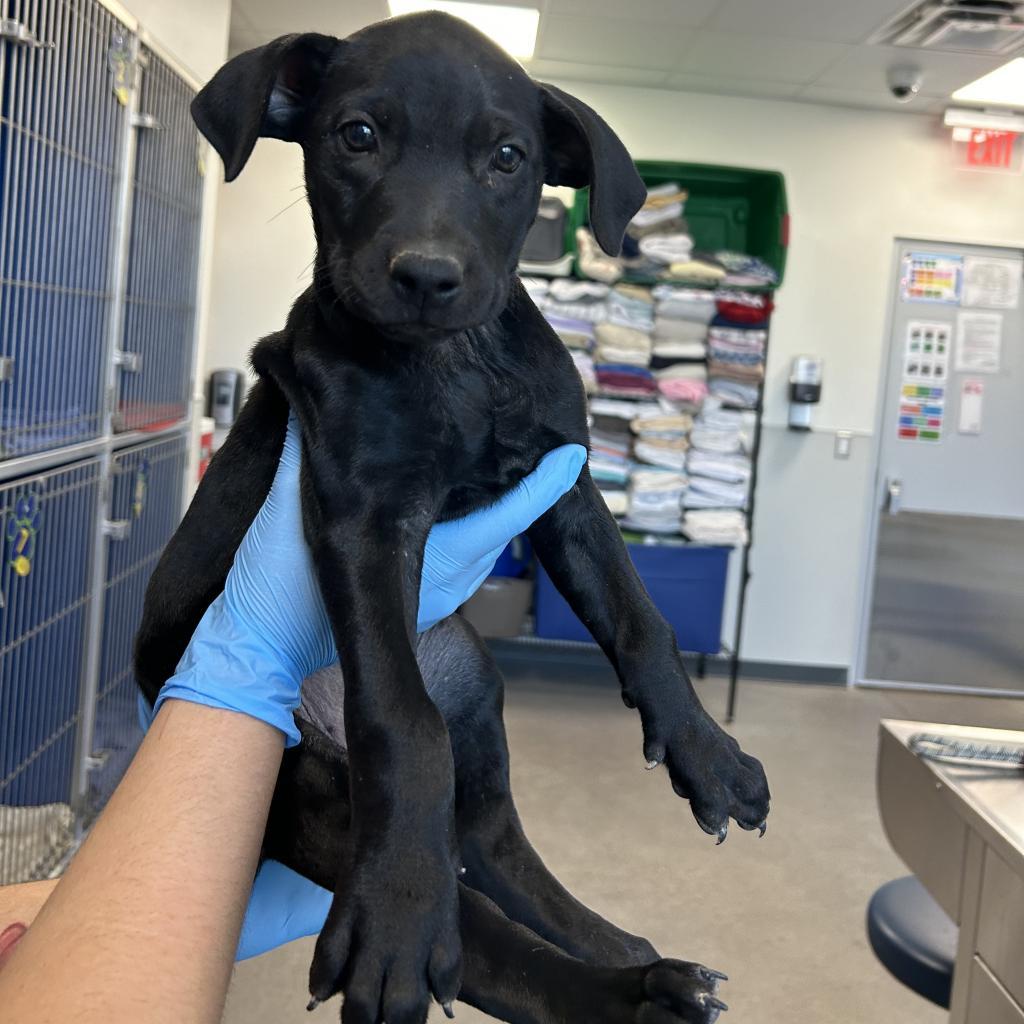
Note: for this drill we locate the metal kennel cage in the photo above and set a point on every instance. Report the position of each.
(61, 144)
(49, 521)
(145, 506)
(101, 197)
(159, 318)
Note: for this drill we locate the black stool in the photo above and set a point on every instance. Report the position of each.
(912, 936)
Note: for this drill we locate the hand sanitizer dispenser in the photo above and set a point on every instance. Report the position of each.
(804, 390)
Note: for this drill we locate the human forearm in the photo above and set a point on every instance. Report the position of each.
(144, 924)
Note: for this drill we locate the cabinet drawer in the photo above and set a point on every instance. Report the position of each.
(989, 1002)
(1000, 941)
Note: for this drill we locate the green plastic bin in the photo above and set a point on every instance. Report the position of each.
(728, 207)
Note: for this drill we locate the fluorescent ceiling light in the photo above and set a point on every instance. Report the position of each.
(514, 29)
(983, 120)
(1003, 87)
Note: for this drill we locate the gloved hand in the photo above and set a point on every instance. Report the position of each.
(284, 906)
(268, 630)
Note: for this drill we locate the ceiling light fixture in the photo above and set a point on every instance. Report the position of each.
(514, 29)
(983, 120)
(1003, 87)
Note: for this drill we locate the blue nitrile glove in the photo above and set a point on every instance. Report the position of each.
(269, 630)
(284, 906)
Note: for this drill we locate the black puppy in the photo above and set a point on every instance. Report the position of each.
(427, 384)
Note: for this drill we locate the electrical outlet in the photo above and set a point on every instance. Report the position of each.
(842, 445)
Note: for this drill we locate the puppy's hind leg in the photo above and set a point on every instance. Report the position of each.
(464, 682)
(509, 971)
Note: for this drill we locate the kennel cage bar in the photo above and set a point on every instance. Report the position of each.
(120, 242)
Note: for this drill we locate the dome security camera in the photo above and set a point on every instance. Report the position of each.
(904, 82)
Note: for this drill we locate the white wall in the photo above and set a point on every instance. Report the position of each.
(194, 32)
(856, 181)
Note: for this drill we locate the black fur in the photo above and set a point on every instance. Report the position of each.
(426, 384)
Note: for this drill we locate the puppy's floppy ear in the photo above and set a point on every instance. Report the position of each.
(583, 150)
(266, 91)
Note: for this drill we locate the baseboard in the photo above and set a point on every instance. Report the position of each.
(534, 651)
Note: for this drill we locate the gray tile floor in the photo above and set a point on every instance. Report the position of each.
(783, 916)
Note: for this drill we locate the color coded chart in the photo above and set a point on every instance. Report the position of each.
(931, 278)
(922, 410)
(922, 391)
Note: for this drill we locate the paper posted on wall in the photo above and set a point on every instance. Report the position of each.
(972, 393)
(992, 283)
(979, 342)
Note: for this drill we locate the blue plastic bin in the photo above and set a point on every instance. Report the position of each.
(687, 584)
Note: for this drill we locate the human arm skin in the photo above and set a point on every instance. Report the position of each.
(143, 926)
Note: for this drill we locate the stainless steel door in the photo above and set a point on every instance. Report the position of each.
(947, 596)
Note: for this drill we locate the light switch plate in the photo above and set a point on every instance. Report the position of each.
(844, 438)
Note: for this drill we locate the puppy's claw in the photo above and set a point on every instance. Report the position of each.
(713, 975)
(448, 1011)
(651, 765)
(716, 1003)
(312, 1004)
(722, 833)
(761, 829)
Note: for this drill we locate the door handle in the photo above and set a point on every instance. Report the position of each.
(893, 496)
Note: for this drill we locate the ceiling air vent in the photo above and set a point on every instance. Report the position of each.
(962, 26)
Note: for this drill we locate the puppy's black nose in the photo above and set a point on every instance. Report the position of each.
(426, 278)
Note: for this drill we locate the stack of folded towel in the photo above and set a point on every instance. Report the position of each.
(577, 300)
(655, 500)
(585, 368)
(610, 442)
(662, 440)
(619, 344)
(736, 354)
(658, 235)
(718, 466)
(578, 334)
(749, 308)
(684, 384)
(715, 526)
(748, 271)
(625, 380)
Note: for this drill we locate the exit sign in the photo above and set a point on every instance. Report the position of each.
(982, 149)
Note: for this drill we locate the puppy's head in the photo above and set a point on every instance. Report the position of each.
(425, 151)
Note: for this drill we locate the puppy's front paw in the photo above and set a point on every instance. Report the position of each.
(391, 941)
(708, 768)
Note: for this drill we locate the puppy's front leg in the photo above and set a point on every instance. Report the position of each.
(392, 936)
(582, 550)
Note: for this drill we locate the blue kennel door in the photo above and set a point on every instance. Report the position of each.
(48, 524)
(160, 306)
(60, 150)
(146, 497)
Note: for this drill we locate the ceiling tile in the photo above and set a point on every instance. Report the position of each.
(764, 57)
(328, 16)
(839, 21)
(570, 71)
(610, 41)
(725, 85)
(684, 13)
(864, 68)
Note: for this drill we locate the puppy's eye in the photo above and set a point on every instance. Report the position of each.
(507, 158)
(358, 136)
